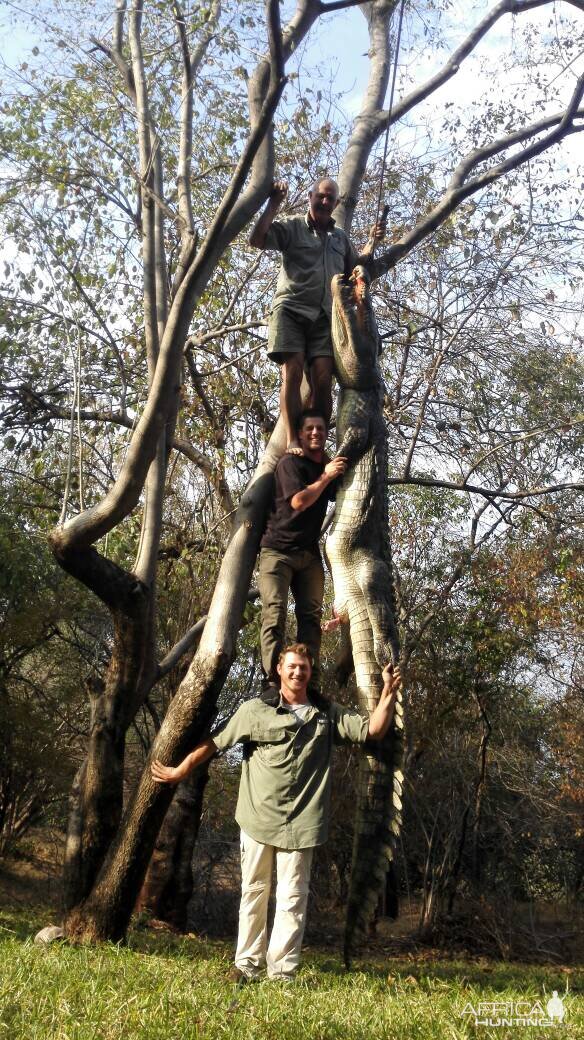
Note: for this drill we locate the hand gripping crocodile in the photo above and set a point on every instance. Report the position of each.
(359, 553)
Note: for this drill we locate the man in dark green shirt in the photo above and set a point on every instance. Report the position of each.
(290, 557)
(284, 800)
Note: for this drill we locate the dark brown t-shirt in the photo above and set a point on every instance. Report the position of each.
(288, 529)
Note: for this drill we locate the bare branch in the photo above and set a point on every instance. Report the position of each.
(117, 59)
(234, 363)
(238, 291)
(174, 655)
(119, 26)
(365, 131)
(209, 411)
(220, 332)
(181, 648)
(340, 5)
(568, 423)
(422, 411)
(489, 493)
(452, 66)
(186, 135)
(459, 189)
(211, 23)
(145, 143)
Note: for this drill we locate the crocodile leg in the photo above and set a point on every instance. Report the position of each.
(375, 581)
(356, 430)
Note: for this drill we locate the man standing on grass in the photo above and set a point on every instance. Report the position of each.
(313, 250)
(289, 555)
(283, 804)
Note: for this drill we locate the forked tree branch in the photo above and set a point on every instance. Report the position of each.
(86, 528)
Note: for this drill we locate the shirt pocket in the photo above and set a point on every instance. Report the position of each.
(268, 734)
(271, 746)
(315, 733)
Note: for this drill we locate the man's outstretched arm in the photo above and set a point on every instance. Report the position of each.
(174, 774)
(277, 195)
(382, 717)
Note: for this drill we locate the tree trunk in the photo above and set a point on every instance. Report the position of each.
(95, 801)
(480, 789)
(168, 885)
(6, 791)
(455, 875)
(106, 913)
(428, 891)
(97, 796)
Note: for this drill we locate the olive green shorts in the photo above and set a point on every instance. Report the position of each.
(291, 333)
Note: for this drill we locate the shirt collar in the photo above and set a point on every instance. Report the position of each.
(283, 706)
(312, 226)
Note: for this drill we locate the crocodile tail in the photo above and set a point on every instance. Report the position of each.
(377, 828)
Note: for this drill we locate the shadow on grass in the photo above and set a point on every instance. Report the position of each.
(479, 973)
(24, 924)
(498, 976)
(419, 970)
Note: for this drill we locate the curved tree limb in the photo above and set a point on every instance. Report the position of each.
(366, 129)
(489, 493)
(452, 66)
(559, 126)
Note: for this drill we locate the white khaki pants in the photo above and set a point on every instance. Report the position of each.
(282, 956)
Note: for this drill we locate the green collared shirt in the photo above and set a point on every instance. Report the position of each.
(310, 258)
(284, 792)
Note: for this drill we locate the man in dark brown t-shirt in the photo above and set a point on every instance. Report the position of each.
(290, 557)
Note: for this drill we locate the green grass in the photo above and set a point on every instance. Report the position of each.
(166, 988)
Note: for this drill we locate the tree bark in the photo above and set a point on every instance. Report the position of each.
(97, 795)
(168, 884)
(480, 786)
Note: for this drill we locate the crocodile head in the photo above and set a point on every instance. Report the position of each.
(354, 331)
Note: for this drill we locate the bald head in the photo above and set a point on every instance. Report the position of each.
(326, 184)
(323, 198)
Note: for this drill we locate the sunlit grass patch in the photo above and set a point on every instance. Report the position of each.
(161, 987)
